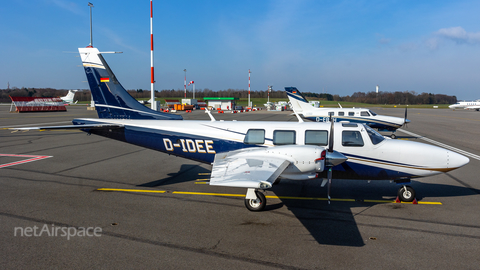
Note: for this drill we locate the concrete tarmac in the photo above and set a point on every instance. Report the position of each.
(183, 223)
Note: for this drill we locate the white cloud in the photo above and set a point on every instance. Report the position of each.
(459, 35)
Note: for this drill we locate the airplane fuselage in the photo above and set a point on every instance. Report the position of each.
(370, 156)
(472, 105)
(355, 115)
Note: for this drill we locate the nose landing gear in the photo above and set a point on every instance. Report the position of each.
(406, 194)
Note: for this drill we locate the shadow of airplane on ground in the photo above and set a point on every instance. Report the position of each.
(329, 224)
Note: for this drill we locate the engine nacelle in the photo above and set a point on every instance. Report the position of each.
(305, 160)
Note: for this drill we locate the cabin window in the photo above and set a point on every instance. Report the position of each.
(351, 113)
(255, 136)
(281, 137)
(364, 113)
(352, 138)
(316, 137)
(375, 137)
(341, 113)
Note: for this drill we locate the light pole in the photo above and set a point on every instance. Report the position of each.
(185, 83)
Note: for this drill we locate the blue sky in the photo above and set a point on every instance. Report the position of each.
(339, 47)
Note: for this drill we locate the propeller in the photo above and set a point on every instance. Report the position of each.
(405, 120)
(333, 158)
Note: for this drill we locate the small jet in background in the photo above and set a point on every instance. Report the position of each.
(467, 105)
(68, 99)
(145, 101)
(354, 115)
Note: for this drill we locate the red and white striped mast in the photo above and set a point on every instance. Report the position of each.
(154, 104)
(249, 105)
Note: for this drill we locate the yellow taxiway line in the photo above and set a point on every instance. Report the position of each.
(269, 196)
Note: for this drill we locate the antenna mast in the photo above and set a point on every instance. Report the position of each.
(91, 33)
(153, 104)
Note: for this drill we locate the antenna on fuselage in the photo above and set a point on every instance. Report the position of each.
(210, 114)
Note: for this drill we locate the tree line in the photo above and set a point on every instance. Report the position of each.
(406, 97)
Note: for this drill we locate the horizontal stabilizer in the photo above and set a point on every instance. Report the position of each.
(92, 126)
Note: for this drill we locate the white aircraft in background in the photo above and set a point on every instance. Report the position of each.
(145, 101)
(69, 97)
(467, 105)
(255, 154)
(355, 115)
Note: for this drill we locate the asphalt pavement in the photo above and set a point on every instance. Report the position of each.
(153, 210)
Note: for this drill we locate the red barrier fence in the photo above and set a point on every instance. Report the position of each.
(37, 104)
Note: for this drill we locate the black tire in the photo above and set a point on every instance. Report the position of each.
(393, 136)
(257, 204)
(406, 195)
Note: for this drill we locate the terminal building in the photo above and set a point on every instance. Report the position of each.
(221, 103)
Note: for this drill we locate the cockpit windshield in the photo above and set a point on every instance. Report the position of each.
(375, 137)
(372, 113)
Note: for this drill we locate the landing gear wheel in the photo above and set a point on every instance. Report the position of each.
(406, 194)
(257, 204)
(393, 136)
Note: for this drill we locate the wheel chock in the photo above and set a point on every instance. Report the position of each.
(397, 200)
(415, 201)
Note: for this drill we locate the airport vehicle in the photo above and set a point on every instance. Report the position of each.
(354, 115)
(255, 154)
(467, 105)
(68, 99)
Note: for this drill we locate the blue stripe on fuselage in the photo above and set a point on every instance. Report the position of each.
(155, 140)
(352, 170)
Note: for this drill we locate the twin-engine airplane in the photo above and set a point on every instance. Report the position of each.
(354, 115)
(254, 154)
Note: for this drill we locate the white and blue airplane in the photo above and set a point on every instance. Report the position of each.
(354, 115)
(256, 154)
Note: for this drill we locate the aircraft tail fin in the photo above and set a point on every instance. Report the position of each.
(297, 100)
(111, 99)
(71, 94)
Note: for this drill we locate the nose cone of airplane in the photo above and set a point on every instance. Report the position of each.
(407, 121)
(455, 160)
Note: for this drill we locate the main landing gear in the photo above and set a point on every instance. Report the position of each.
(255, 200)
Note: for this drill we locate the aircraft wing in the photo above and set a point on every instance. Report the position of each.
(247, 169)
(91, 126)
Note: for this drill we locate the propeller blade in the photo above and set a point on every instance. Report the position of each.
(329, 183)
(330, 140)
(405, 119)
